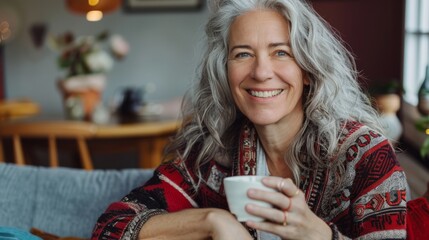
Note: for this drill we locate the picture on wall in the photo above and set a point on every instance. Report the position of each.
(153, 5)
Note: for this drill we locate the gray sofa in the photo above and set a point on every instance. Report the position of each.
(61, 201)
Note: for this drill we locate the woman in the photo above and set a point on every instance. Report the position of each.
(277, 96)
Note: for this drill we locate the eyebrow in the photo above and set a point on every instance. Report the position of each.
(239, 46)
(271, 45)
(279, 44)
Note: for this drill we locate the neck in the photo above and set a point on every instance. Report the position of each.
(276, 139)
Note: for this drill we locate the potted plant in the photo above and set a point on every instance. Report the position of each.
(85, 61)
(387, 100)
(387, 96)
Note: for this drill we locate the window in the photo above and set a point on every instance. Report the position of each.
(416, 52)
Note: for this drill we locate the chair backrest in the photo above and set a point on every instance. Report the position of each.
(52, 131)
(17, 108)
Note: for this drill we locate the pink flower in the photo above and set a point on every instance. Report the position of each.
(119, 46)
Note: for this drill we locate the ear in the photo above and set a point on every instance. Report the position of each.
(306, 82)
(306, 79)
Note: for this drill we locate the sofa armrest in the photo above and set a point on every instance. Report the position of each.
(62, 201)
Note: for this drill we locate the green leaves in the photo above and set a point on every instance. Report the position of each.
(391, 86)
(424, 149)
(422, 125)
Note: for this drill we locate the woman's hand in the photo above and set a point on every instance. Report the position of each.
(290, 217)
(195, 223)
(226, 227)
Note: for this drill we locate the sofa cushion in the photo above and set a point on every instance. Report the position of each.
(61, 201)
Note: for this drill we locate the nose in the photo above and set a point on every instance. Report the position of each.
(262, 69)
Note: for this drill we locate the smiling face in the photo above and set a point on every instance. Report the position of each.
(265, 81)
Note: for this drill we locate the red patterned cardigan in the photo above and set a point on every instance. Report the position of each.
(370, 205)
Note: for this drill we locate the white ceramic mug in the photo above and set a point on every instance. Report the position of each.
(236, 188)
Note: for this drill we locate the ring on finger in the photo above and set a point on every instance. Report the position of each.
(284, 218)
(280, 185)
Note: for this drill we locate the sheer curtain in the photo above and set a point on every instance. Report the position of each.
(416, 52)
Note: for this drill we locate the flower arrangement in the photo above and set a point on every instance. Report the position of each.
(86, 60)
(88, 54)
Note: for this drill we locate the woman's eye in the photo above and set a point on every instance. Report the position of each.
(282, 53)
(242, 55)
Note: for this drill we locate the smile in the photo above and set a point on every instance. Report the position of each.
(265, 94)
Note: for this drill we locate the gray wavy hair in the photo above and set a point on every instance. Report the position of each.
(212, 121)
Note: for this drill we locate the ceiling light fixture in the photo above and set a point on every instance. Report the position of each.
(93, 9)
(94, 15)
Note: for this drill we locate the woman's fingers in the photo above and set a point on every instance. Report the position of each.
(289, 217)
(277, 199)
(282, 199)
(283, 202)
(284, 185)
(269, 214)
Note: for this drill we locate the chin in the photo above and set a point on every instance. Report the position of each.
(263, 121)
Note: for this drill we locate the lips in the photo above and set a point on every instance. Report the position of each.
(265, 94)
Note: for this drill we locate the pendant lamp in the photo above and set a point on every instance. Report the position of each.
(93, 7)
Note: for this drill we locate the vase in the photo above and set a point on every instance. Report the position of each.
(81, 95)
(388, 105)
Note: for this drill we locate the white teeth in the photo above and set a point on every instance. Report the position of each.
(265, 94)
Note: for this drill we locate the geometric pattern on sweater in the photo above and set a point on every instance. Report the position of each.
(369, 205)
(372, 203)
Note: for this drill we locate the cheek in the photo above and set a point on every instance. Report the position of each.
(234, 85)
(302, 76)
(233, 77)
(295, 76)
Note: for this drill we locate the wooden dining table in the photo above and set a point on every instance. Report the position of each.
(148, 136)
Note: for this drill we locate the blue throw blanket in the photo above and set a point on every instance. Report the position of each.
(9, 233)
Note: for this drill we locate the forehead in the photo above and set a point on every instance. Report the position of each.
(259, 24)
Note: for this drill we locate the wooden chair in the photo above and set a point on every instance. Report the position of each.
(10, 109)
(52, 131)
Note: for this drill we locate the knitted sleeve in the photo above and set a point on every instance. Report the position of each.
(375, 202)
(169, 190)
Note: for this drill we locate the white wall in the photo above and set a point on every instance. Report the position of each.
(165, 50)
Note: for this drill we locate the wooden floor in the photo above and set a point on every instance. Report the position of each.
(417, 174)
